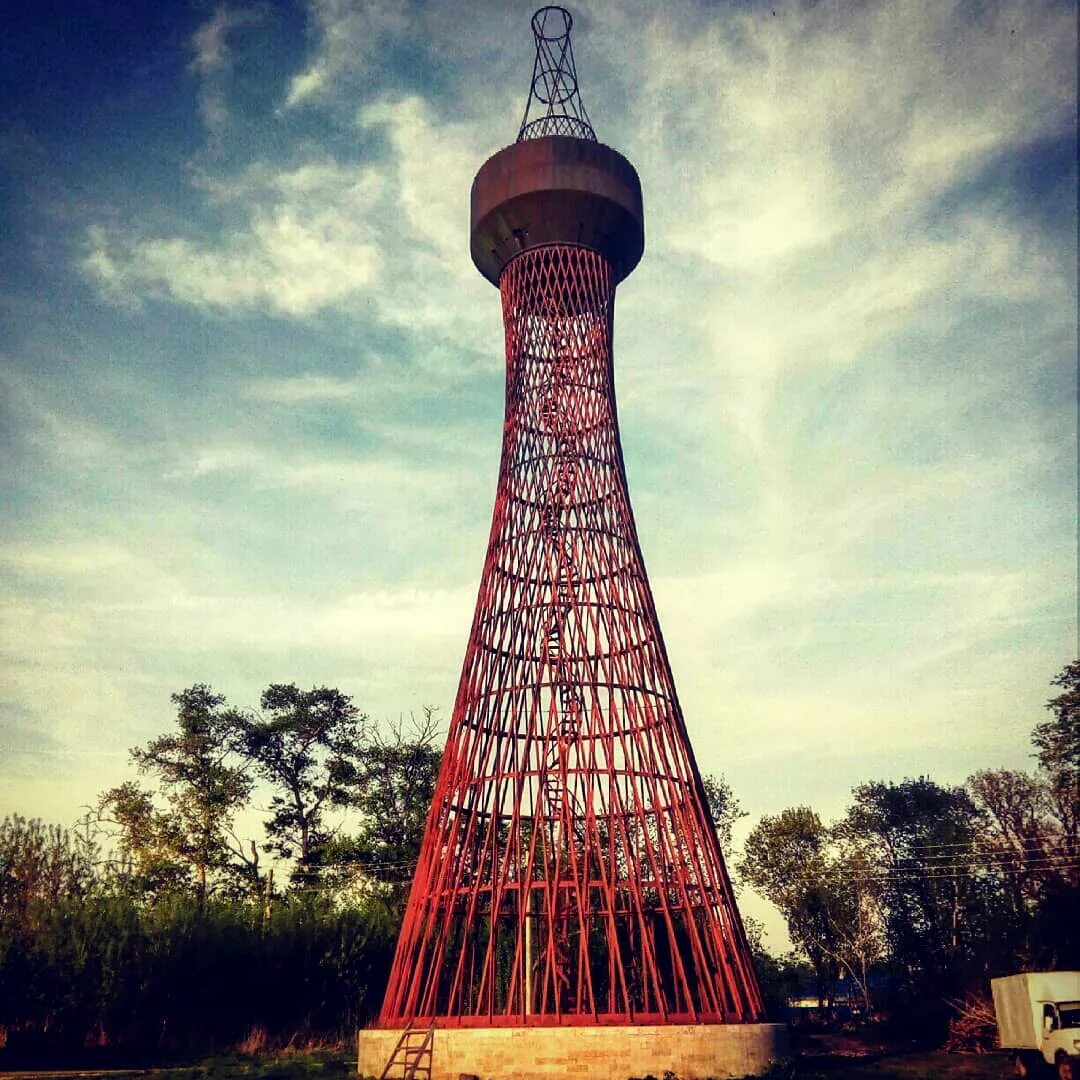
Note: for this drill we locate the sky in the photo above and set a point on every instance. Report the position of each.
(251, 386)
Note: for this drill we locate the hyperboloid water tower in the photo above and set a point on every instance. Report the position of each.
(570, 913)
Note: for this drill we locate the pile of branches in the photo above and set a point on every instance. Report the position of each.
(973, 1026)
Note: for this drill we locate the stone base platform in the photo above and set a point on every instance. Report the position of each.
(690, 1051)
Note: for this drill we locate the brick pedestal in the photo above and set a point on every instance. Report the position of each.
(690, 1051)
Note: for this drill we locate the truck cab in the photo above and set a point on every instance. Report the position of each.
(1061, 1036)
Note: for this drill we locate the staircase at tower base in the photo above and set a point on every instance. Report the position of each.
(690, 1051)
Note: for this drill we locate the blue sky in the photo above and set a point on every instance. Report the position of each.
(252, 385)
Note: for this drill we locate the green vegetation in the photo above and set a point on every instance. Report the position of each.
(152, 933)
(311, 755)
(177, 976)
(282, 1065)
(921, 891)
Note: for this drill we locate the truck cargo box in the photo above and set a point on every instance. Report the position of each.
(1018, 1003)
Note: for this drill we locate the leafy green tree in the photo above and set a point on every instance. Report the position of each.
(1014, 844)
(203, 785)
(154, 852)
(1028, 831)
(46, 873)
(397, 770)
(780, 977)
(1058, 744)
(1058, 739)
(724, 808)
(925, 842)
(1057, 932)
(308, 745)
(785, 860)
(826, 887)
(41, 864)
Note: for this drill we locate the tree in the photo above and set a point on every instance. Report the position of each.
(780, 977)
(395, 782)
(925, 842)
(308, 746)
(855, 912)
(1058, 739)
(41, 864)
(154, 853)
(1058, 743)
(203, 785)
(724, 808)
(826, 887)
(785, 860)
(1030, 836)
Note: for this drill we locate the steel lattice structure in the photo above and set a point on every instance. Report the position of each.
(569, 872)
(554, 87)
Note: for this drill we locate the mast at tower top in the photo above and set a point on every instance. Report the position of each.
(554, 91)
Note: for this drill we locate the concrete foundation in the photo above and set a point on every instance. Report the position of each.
(690, 1051)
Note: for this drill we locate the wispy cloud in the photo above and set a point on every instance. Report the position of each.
(307, 244)
(348, 37)
(302, 389)
(212, 64)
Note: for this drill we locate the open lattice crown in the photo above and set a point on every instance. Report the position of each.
(554, 106)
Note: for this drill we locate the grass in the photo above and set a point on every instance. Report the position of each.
(287, 1065)
(337, 1065)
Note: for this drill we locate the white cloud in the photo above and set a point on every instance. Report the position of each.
(348, 35)
(436, 161)
(212, 62)
(308, 245)
(792, 169)
(433, 289)
(351, 479)
(56, 432)
(302, 389)
(780, 135)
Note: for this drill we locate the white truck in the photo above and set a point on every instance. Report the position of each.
(1038, 1019)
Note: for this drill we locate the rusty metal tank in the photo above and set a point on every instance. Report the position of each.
(556, 190)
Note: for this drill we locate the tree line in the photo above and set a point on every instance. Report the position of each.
(921, 891)
(311, 754)
(157, 926)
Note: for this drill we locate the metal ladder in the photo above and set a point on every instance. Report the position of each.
(412, 1055)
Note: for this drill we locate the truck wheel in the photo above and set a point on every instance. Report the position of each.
(1064, 1067)
(1029, 1065)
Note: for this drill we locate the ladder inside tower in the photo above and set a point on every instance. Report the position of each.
(561, 805)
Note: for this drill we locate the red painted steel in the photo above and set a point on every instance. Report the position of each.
(569, 872)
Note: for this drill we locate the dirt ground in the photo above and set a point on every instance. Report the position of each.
(827, 1059)
(855, 1057)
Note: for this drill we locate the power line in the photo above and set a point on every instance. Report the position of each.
(901, 875)
(954, 872)
(986, 858)
(965, 844)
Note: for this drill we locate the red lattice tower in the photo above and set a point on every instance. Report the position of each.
(569, 872)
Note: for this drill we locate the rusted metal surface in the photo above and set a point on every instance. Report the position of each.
(556, 190)
(569, 873)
